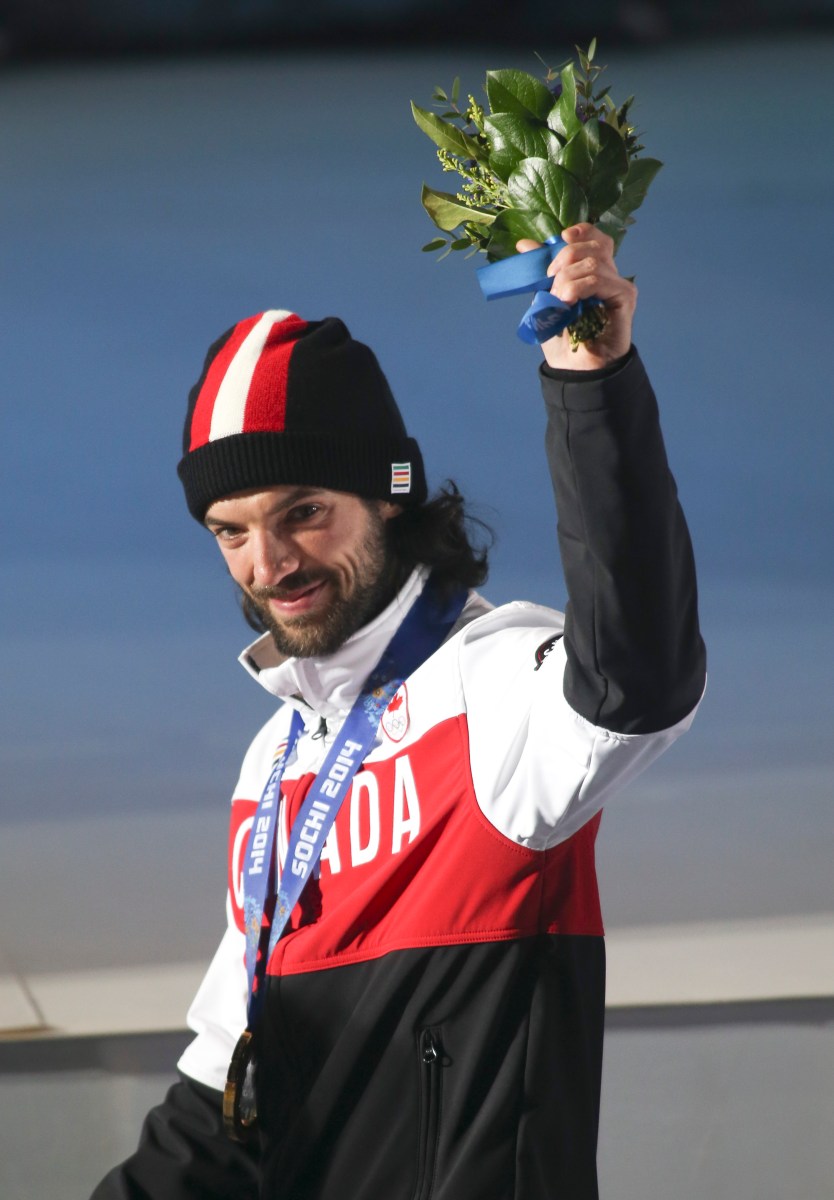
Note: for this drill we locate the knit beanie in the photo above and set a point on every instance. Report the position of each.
(287, 401)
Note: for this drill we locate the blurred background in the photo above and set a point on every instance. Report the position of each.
(59, 28)
(169, 169)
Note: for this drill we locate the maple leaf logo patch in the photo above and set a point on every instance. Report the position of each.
(395, 717)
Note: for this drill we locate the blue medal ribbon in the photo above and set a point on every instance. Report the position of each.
(547, 315)
(423, 629)
(259, 863)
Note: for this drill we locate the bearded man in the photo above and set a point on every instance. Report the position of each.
(410, 990)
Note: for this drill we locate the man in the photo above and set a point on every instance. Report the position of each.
(430, 1021)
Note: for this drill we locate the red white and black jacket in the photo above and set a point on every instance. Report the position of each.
(433, 1021)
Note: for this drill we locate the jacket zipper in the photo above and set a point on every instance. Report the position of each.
(431, 1065)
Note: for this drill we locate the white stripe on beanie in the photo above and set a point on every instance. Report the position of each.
(230, 403)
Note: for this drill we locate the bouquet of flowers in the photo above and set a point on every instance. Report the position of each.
(548, 154)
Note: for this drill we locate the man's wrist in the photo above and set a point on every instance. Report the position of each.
(568, 375)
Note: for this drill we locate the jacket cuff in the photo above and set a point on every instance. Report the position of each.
(587, 391)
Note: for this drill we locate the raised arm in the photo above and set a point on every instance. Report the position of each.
(595, 699)
(635, 656)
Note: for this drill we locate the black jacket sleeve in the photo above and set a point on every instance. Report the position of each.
(636, 661)
(185, 1154)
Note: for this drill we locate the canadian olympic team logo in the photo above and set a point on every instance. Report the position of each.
(395, 717)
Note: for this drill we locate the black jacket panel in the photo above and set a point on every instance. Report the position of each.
(184, 1154)
(460, 1071)
(636, 662)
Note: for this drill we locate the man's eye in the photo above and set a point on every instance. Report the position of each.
(303, 512)
(225, 533)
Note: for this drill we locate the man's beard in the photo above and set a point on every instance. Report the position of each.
(359, 590)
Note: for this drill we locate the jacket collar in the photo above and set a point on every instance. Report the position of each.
(329, 685)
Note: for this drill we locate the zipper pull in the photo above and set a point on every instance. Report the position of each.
(321, 731)
(429, 1049)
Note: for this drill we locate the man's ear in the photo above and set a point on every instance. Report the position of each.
(387, 509)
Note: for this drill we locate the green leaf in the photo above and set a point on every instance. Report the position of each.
(514, 139)
(448, 213)
(615, 226)
(515, 223)
(500, 245)
(597, 156)
(617, 219)
(545, 187)
(434, 244)
(456, 89)
(447, 136)
(607, 178)
(562, 116)
(518, 93)
(641, 172)
(578, 153)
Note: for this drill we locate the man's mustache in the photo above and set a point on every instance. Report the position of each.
(290, 585)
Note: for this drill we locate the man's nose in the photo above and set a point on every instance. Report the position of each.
(273, 559)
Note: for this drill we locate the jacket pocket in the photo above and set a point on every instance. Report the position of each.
(431, 1059)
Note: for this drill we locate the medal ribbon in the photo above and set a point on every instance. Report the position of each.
(423, 629)
(547, 315)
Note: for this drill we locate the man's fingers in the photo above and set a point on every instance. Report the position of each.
(587, 233)
(574, 233)
(596, 245)
(589, 275)
(585, 267)
(613, 289)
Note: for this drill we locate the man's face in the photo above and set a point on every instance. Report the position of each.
(312, 561)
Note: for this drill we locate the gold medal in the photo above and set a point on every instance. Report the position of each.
(240, 1106)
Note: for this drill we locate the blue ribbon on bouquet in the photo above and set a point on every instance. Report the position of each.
(547, 315)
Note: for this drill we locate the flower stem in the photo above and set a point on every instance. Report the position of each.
(589, 326)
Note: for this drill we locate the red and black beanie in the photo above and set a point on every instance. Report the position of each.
(287, 401)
